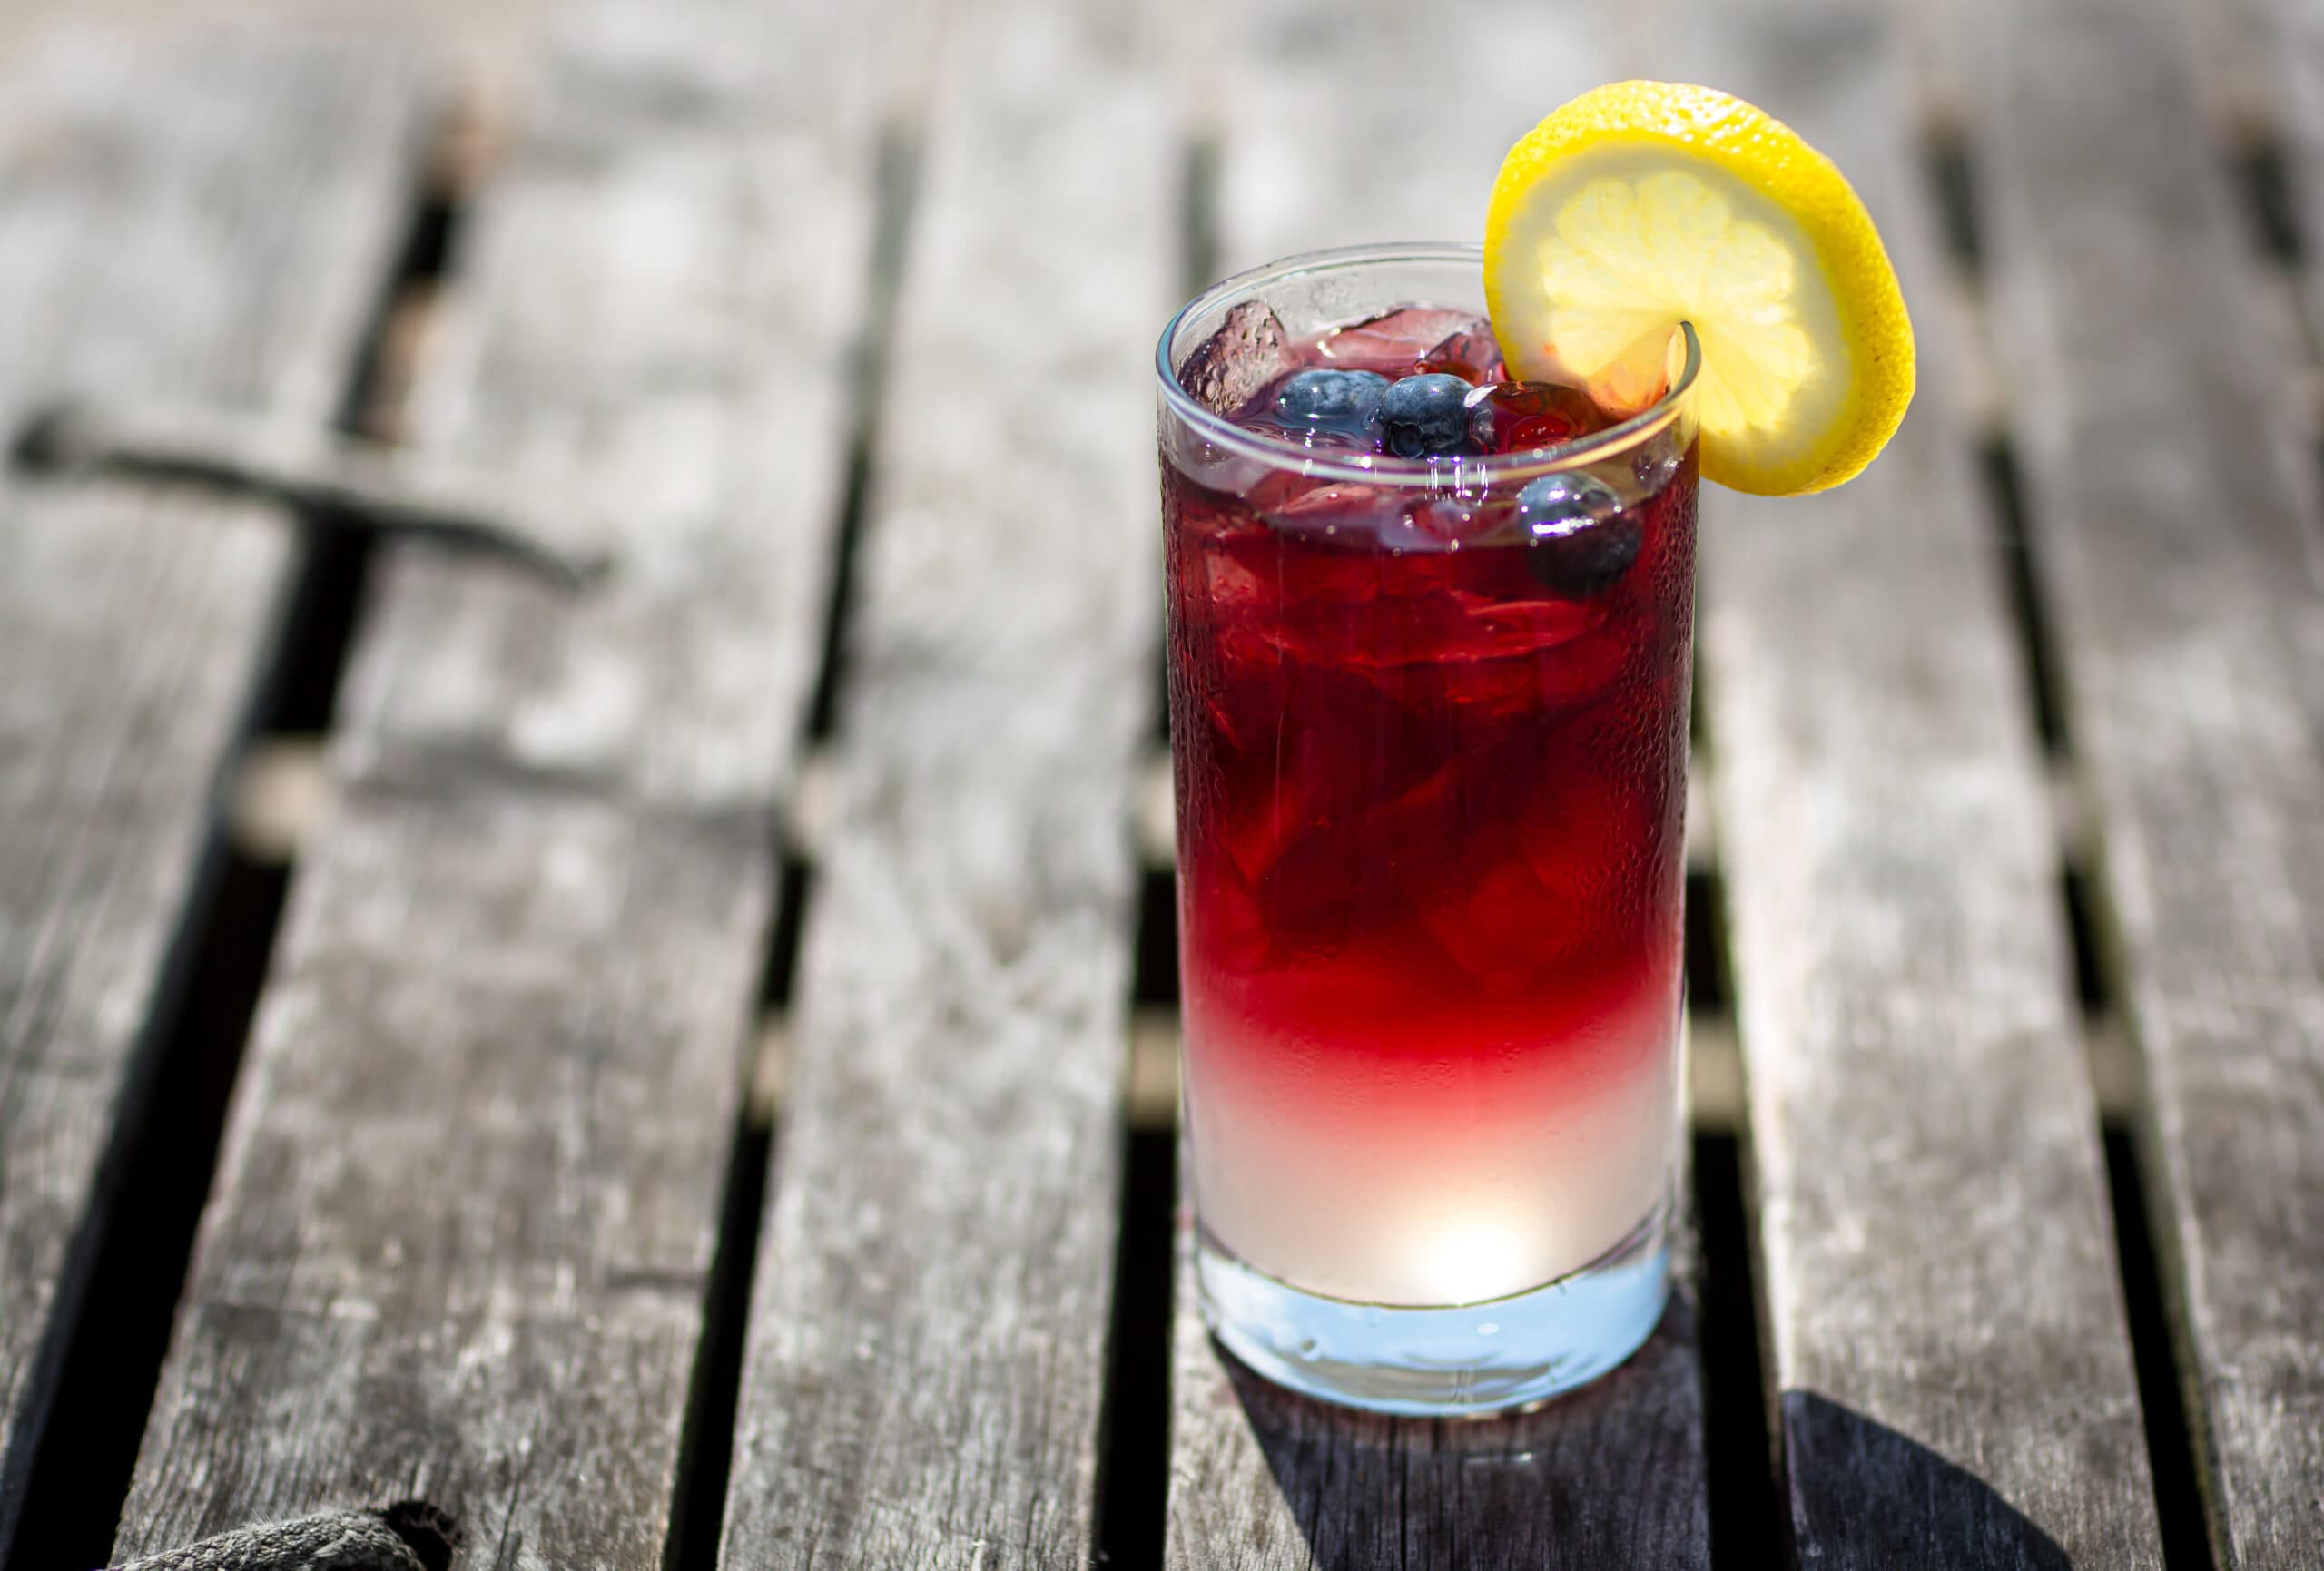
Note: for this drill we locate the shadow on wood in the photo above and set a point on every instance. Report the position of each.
(1556, 1487)
(1871, 1497)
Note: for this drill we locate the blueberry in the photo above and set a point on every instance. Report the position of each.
(1559, 505)
(1426, 416)
(1582, 542)
(1342, 400)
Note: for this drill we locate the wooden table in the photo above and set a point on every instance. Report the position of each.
(707, 1100)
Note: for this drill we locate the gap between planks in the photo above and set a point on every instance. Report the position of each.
(2160, 377)
(284, 792)
(548, 886)
(208, 224)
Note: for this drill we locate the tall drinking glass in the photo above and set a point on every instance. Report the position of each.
(1429, 720)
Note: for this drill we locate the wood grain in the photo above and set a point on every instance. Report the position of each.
(2171, 500)
(927, 1344)
(210, 223)
(468, 1207)
(1948, 1353)
(1614, 1475)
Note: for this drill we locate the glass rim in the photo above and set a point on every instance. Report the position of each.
(1380, 468)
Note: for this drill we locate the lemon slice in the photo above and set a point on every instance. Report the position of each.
(1644, 204)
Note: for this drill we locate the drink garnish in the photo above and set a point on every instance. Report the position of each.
(1642, 204)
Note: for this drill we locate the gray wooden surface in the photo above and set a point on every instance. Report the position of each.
(209, 225)
(460, 1238)
(926, 1352)
(1947, 1351)
(2172, 505)
(460, 1241)
(1276, 74)
(1616, 1476)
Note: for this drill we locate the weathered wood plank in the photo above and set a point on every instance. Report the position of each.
(2173, 511)
(469, 1204)
(926, 1350)
(1321, 142)
(209, 222)
(1948, 1353)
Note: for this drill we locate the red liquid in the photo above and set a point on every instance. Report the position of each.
(1430, 832)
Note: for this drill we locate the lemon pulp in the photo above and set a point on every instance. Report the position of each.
(1645, 204)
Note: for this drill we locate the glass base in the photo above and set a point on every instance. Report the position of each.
(1460, 1360)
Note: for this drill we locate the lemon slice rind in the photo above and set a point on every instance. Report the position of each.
(1642, 204)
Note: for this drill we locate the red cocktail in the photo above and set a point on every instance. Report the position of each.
(1429, 674)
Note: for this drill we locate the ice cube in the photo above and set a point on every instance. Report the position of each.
(1206, 464)
(1395, 342)
(1488, 913)
(1519, 417)
(1249, 351)
(1354, 513)
(1473, 354)
(1486, 627)
(1445, 521)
